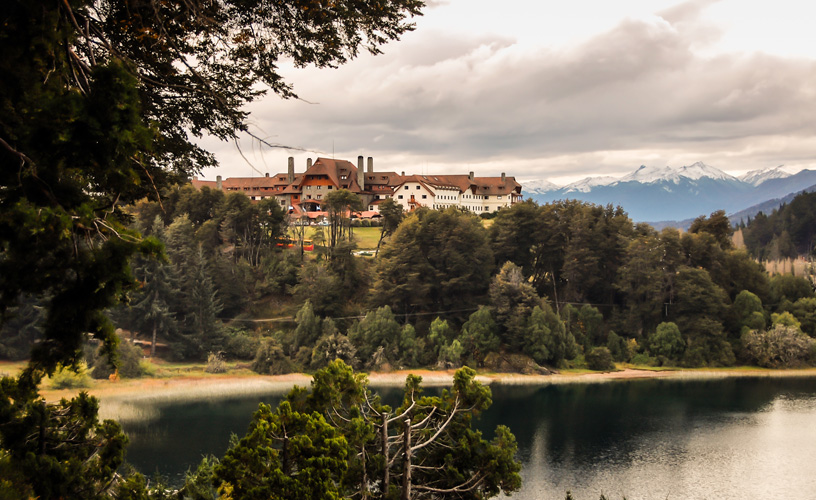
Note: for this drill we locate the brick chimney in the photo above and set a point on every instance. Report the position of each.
(267, 174)
(308, 163)
(360, 173)
(290, 178)
(370, 165)
(218, 183)
(503, 177)
(470, 177)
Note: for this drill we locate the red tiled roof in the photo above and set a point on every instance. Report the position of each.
(198, 184)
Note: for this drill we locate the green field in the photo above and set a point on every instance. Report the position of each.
(365, 237)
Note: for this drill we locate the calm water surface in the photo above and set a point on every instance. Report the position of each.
(745, 438)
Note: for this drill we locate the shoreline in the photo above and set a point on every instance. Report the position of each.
(130, 399)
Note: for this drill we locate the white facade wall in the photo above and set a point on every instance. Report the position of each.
(442, 197)
(419, 191)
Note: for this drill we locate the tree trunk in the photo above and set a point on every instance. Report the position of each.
(386, 475)
(153, 343)
(406, 464)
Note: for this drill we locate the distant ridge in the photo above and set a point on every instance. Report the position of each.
(766, 207)
(679, 194)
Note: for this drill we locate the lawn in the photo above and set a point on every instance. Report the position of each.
(365, 237)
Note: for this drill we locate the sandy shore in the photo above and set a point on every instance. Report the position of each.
(132, 398)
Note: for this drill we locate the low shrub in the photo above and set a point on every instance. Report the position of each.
(643, 359)
(240, 344)
(66, 378)
(215, 363)
(129, 362)
(782, 346)
(271, 360)
(600, 359)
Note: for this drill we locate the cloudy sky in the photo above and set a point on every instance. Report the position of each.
(545, 89)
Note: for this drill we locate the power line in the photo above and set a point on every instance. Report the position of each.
(291, 319)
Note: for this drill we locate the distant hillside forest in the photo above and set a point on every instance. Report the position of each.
(787, 232)
(563, 284)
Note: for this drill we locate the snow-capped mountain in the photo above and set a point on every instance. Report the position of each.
(757, 177)
(585, 185)
(540, 186)
(676, 193)
(699, 170)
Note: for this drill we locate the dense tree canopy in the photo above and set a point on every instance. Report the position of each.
(435, 261)
(786, 232)
(98, 102)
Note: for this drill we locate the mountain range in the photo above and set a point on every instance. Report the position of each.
(651, 194)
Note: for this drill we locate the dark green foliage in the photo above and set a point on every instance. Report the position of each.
(435, 261)
(479, 336)
(546, 338)
(787, 232)
(21, 329)
(317, 284)
(600, 359)
(285, 454)
(332, 346)
(717, 225)
(570, 250)
(642, 282)
(667, 342)
(805, 311)
(99, 103)
(512, 299)
(271, 360)
(308, 328)
(128, 356)
(240, 344)
(445, 452)
(787, 289)
(392, 216)
(57, 450)
(198, 483)
(379, 329)
(747, 308)
(618, 347)
(700, 306)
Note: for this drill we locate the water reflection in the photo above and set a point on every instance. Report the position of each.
(730, 438)
(651, 439)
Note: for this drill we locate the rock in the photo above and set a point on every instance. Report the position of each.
(514, 363)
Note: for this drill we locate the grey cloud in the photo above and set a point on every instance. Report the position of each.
(638, 87)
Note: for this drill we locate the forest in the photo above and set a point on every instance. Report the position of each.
(564, 284)
(785, 233)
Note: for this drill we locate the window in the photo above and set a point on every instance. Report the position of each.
(331, 187)
(400, 197)
(344, 177)
(319, 196)
(417, 187)
(424, 196)
(318, 187)
(498, 197)
(371, 207)
(406, 187)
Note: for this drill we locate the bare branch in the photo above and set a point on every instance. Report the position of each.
(441, 428)
(471, 484)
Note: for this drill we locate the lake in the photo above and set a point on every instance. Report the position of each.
(725, 438)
